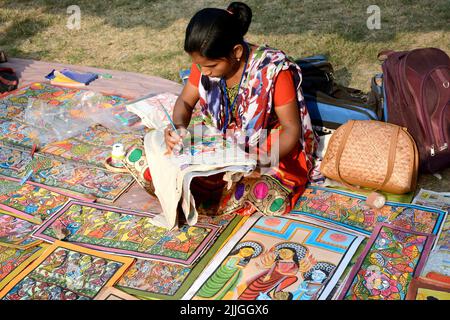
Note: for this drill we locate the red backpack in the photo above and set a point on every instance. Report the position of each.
(417, 96)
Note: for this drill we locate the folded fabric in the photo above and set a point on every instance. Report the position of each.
(84, 78)
(63, 80)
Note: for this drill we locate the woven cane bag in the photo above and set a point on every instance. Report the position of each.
(372, 154)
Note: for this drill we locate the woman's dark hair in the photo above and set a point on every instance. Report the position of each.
(213, 33)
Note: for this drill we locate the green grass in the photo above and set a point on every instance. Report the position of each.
(147, 36)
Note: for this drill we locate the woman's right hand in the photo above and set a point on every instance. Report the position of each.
(172, 138)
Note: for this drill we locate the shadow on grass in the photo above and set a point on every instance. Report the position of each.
(346, 18)
(20, 31)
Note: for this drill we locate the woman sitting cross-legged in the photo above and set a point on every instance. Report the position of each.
(242, 86)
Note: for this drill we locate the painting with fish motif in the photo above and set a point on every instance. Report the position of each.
(349, 210)
(66, 272)
(278, 258)
(391, 258)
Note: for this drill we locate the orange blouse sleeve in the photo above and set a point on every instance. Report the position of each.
(284, 91)
(194, 76)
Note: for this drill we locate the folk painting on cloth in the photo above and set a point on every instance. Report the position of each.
(425, 289)
(13, 260)
(30, 200)
(350, 211)
(13, 104)
(152, 279)
(13, 161)
(126, 232)
(66, 272)
(92, 146)
(99, 135)
(20, 134)
(15, 231)
(278, 258)
(69, 176)
(390, 260)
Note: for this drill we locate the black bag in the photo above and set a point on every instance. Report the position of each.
(8, 80)
(330, 104)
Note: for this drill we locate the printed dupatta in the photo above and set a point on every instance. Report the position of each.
(255, 100)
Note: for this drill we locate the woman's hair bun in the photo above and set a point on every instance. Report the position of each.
(243, 14)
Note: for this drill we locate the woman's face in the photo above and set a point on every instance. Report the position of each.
(216, 68)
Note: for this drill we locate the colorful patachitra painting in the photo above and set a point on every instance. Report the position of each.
(75, 177)
(278, 259)
(30, 200)
(99, 135)
(75, 150)
(16, 231)
(126, 232)
(13, 162)
(426, 289)
(70, 176)
(386, 267)
(66, 272)
(349, 210)
(13, 104)
(153, 279)
(16, 133)
(429, 294)
(93, 146)
(13, 260)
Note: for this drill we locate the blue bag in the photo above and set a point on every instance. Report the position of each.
(329, 104)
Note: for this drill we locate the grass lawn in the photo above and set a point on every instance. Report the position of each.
(147, 36)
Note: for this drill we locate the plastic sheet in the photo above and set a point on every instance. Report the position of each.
(53, 122)
(84, 110)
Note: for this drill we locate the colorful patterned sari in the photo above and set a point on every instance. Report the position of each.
(276, 191)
